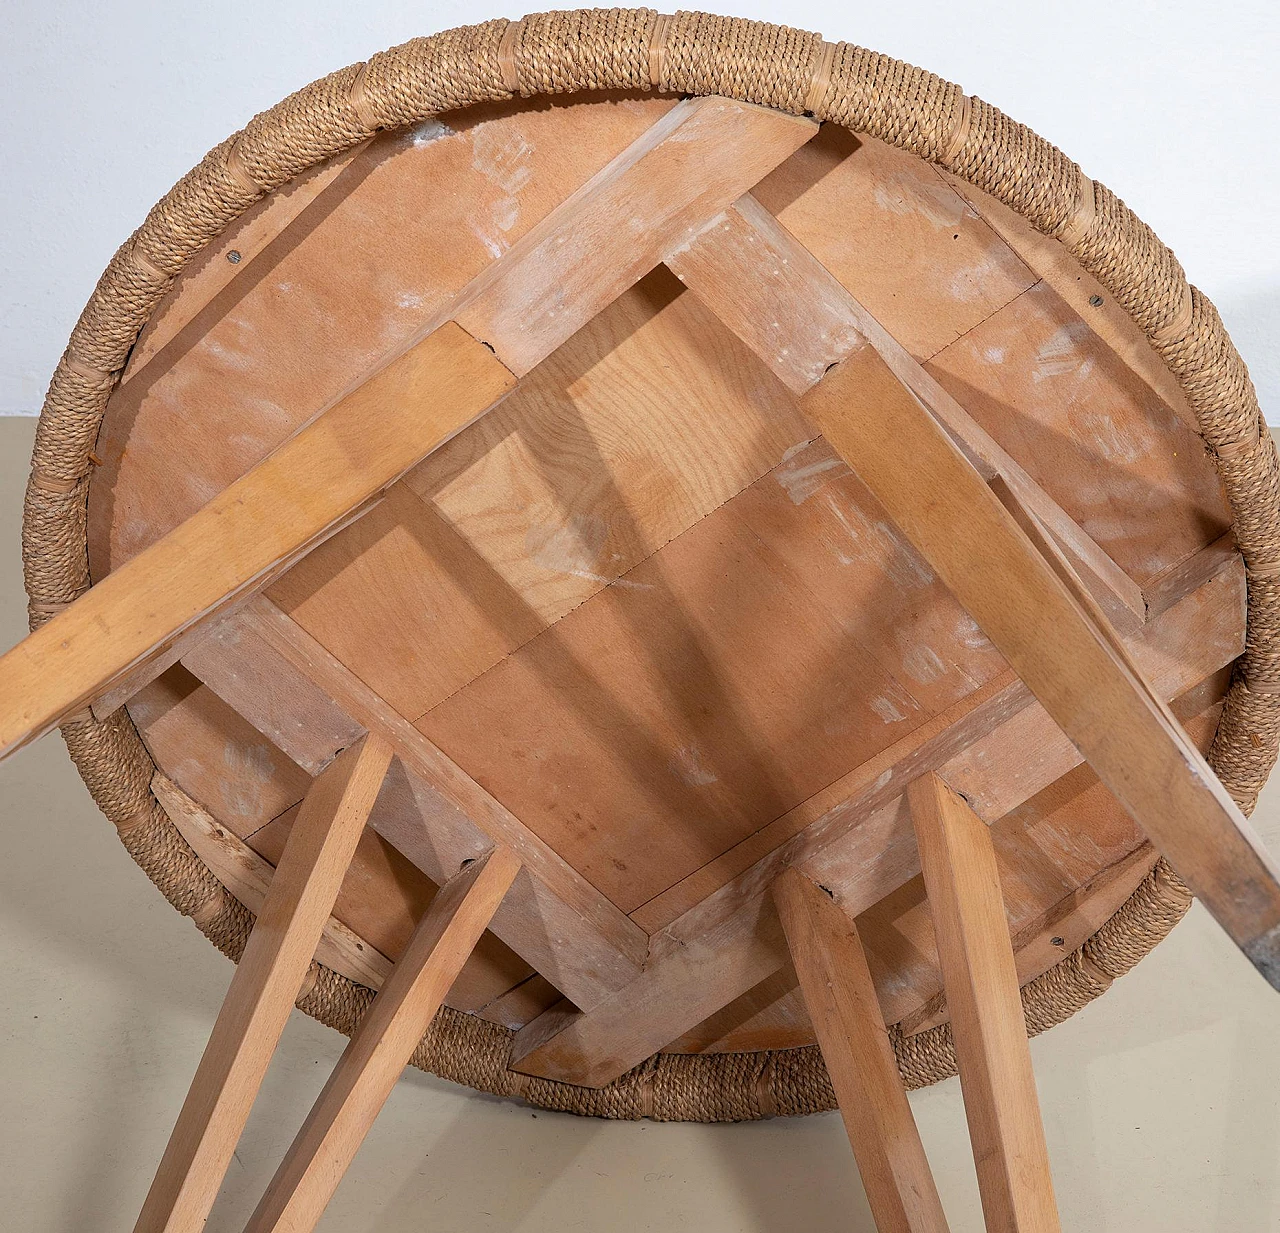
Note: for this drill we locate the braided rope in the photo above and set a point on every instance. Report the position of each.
(688, 53)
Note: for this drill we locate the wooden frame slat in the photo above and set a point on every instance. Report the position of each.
(382, 1045)
(856, 838)
(841, 1000)
(268, 517)
(552, 918)
(981, 981)
(694, 162)
(248, 877)
(262, 993)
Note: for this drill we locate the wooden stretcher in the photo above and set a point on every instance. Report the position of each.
(657, 575)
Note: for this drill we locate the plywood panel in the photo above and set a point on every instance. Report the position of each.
(1090, 431)
(421, 211)
(908, 246)
(719, 683)
(382, 899)
(214, 755)
(651, 417)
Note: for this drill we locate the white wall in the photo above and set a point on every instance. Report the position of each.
(1173, 104)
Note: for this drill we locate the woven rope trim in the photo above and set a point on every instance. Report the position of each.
(620, 48)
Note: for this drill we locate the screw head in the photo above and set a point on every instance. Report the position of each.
(234, 257)
(1058, 941)
(1096, 301)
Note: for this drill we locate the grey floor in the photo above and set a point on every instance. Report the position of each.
(1160, 1100)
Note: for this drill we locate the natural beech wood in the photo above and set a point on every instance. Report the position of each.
(974, 544)
(774, 294)
(553, 918)
(382, 1045)
(266, 982)
(1093, 303)
(841, 999)
(1003, 743)
(269, 516)
(981, 982)
(248, 877)
(856, 839)
(192, 640)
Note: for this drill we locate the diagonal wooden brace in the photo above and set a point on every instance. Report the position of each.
(263, 990)
(383, 1045)
(647, 202)
(856, 839)
(786, 306)
(1066, 657)
(1006, 556)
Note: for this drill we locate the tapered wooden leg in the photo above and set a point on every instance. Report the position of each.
(383, 1045)
(981, 983)
(841, 1000)
(266, 982)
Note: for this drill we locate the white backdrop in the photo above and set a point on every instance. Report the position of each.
(1173, 104)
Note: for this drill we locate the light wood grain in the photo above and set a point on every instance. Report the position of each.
(841, 1000)
(659, 188)
(981, 981)
(382, 1045)
(1060, 931)
(691, 164)
(945, 508)
(266, 982)
(248, 877)
(680, 985)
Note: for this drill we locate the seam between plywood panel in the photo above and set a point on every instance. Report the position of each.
(977, 325)
(620, 580)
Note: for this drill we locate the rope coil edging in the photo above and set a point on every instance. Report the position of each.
(684, 53)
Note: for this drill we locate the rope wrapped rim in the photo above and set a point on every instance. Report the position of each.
(692, 54)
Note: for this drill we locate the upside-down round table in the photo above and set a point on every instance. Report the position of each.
(716, 573)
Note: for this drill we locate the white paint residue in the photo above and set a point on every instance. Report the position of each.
(409, 299)
(228, 355)
(687, 763)
(969, 633)
(1060, 354)
(923, 665)
(494, 247)
(503, 158)
(801, 480)
(968, 283)
(248, 768)
(793, 450)
(994, 355)
(887, 711)
(574, 547)
(506, 213)
(427, 132)
(931, 199)
(1112, 440)
(878, 544)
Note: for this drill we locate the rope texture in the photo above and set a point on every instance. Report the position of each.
(689, 53)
